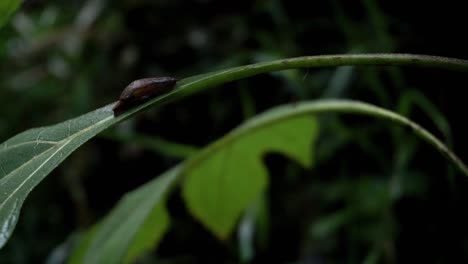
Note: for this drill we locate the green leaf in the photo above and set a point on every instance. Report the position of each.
(222, 182)
(82, 242)
(128, 231)
(27, 158)
(7, 8)
(227, 177)
(134, 226)
(138, 222)
(149, 233)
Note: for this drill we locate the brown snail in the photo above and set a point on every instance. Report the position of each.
(142, 90)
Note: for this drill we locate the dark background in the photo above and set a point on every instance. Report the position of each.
(376, 195)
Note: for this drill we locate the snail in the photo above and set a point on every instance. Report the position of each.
(140, 91)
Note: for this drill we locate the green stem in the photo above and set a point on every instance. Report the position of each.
(200, 82)
(348, 106)
(212, 79)
(278, 114)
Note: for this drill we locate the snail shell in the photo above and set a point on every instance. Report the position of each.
(141, 90)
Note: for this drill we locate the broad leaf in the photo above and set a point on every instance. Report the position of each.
(28, 157)
(228, 176)
(138, 222)
(134, 227)
(222, 182)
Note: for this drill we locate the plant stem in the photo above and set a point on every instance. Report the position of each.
(212, 79)
(196, 83)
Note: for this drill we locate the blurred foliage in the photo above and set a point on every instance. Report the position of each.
(7, 8)
(376, 195)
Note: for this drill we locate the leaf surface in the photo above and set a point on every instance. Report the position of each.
(133, 227)
(222, 182)
(27, 158)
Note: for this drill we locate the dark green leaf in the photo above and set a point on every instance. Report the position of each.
(133, 227)
(30, 156)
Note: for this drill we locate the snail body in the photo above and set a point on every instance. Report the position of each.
(142, 90)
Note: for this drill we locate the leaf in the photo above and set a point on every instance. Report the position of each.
(124, 235)
(7, 8)
(138, 222)
(222, 182)
(26, 159)
(134, 226)
(149, 234)
(227, 177)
